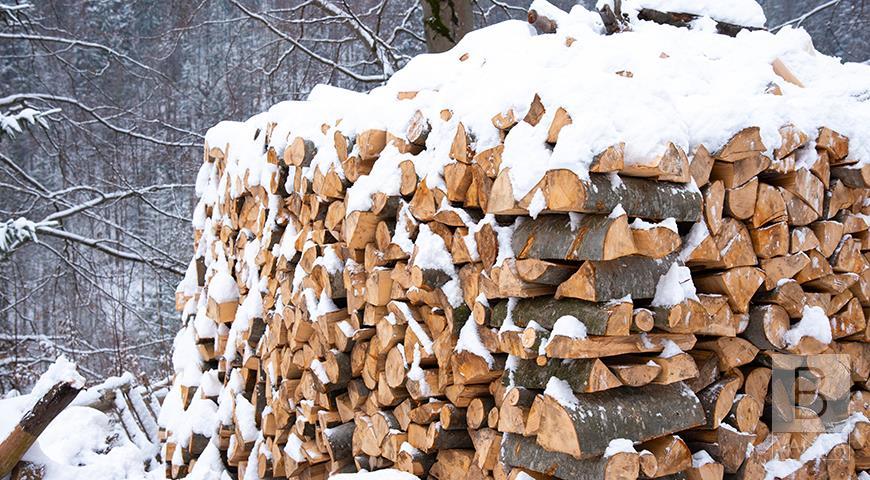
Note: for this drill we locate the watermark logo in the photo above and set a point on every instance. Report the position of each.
(809, 393)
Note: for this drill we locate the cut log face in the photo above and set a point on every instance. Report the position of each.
(738, 285)
(454, 327)
(744, 144)
(585, 427)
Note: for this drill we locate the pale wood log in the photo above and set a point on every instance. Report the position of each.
(725, 444)
(560, 119)
(717, 399)
(635, 374)
(738, 284)
(744, 144)
(714, 206)
(804, 185)
(596, 347)
(745, 413)
(778, 269)
(740, 201)
(834, 143)
(671, 453)
(737, 173)
(655, 242)
(701, 165)
(771, 240)
(732, 351)
(735, 245)
(799, 212)
(642, 320)
(769, 206)
(532, 270)
(767, 327)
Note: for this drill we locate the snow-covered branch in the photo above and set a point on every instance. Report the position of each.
(799, 20)
(308, 51)
(20, 230)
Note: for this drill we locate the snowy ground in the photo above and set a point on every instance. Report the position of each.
(82, 443)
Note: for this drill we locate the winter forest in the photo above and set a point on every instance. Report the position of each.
(123, 93)
(104, 108)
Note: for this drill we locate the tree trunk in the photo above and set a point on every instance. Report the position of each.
(446, 22)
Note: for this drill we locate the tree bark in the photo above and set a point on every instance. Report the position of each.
(586, 428)
(523, 452)
(599, 318)
(446, 22)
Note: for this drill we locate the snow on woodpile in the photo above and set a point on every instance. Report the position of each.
(568, 244)
(93, 437)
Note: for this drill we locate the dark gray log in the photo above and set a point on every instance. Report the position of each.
(339, 441)
(649, 199)
(585, 428)
(581, 374)
(551, 237)
(523, 452)
(546, 310)
(603, 281)
(685, 20)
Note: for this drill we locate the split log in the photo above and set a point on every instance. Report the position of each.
(584, 427)
(565, 192)
(717, 399)
(612, 318)
(523, 452)
(671, 453)
(603, 281)
(557, 237)
(738, 284)
(596, 347)
(583, 375)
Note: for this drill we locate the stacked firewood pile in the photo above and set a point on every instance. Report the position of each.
(619, 323)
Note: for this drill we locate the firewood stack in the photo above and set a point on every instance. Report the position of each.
(616, 323)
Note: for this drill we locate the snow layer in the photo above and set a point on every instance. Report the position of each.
(738, 12)
(561, 391)
(689, 87)
(619, 445)
(814, 323)
(674, 287)
(569, 326)
(81, 443)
